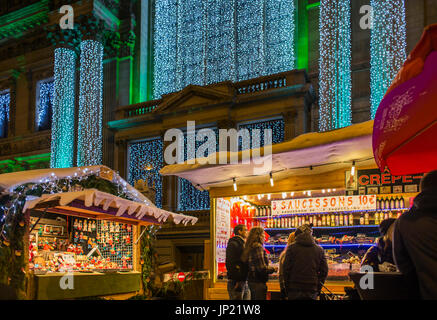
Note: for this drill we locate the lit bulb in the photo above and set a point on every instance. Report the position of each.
(271, 179)
(259, 197)
(292, 194)
(304, 193)
(334, 190)
(323, 191)
(284, 195)
(329, 190)
(235, 185)
(268, 196)
(309, 193)
(245, 197)
(353, 169)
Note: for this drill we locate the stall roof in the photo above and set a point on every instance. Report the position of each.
(325, 152)
(9, 181)
(141, 209)
(94, 203)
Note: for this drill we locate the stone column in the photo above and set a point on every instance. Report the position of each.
(62, 144)
(89, 135)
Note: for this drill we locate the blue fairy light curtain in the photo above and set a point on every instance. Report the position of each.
(5, 101)
(145, 161)
(208, 41)
(44, 103)
(277, 126)
(190, 198)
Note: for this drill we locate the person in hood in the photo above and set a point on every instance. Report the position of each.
(380, 257)
(259, 268)
(290, 240)
(415, 241)
(237, 270)
(305, 266)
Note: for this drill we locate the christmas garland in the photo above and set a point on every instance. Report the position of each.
(13, 224)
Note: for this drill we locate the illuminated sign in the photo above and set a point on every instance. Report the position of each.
(324, 204)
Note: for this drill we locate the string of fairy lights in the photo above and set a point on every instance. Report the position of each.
(220, 41)
(5, 102)
(272, 173)
(62, 143)
(235, 40)
(335, 84)
(387, 47)
(89, 147)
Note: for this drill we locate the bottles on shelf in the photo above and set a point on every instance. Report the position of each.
(390, 203)
(329, 219)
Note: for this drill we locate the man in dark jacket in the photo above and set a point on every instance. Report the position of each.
(305, 266)
(415, 240)
(237, 270)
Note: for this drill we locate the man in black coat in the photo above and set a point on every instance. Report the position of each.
(237, 270)
(305, 266)
(415, 240)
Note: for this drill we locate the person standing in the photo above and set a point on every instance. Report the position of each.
(415, 241)
(259, 269)
(291, 239)
(237, 270)
(305, 267)
(380, 257)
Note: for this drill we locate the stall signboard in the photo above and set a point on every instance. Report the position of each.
(324, 204)
(223, 228)
(373, 181)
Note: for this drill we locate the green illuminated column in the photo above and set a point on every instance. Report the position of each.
(62, 144)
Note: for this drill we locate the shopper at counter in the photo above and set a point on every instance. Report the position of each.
(380, 257)
(305, 266)
(236, 269)
(291, 239)
(259, 269)
(415, 240)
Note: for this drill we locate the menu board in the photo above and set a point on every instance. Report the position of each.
(324, 204)
(223, 225)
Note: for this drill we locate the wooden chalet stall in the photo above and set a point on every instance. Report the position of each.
(309, 181)
(83, 242)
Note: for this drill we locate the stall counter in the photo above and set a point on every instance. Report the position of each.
(48, 286)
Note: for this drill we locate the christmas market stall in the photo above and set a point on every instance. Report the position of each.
(75, 232)
(329, 179)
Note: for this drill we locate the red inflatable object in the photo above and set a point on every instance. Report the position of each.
(405, 126)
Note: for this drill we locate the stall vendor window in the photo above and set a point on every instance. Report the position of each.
(276, 125)
(59, 243)
(145, 159)
(190, 198)
(5, 101)
(44, 104)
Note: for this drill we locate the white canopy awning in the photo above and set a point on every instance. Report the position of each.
(109, 204)
(325, 152)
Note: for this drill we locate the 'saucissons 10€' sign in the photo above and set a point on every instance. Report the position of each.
(324, 204)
